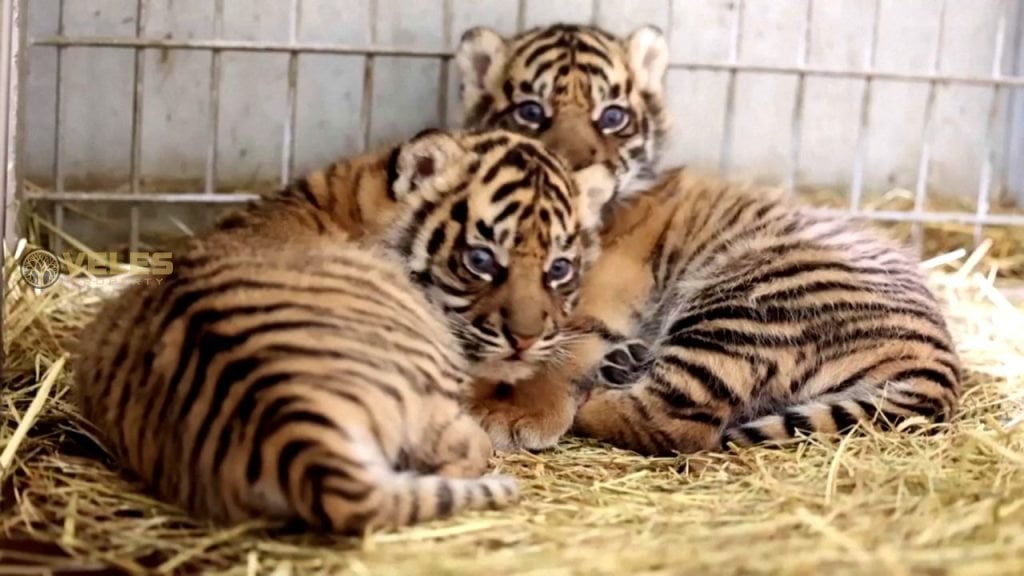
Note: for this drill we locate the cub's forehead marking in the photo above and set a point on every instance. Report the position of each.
(560, 60)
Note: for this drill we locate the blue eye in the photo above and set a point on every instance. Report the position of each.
(481, 262)
(529, 113)
(613, 119)
(560, 270)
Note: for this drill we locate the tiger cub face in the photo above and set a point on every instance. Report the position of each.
(591, 97)
(500, 233)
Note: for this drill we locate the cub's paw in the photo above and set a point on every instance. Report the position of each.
(513, 424)
(624, 364)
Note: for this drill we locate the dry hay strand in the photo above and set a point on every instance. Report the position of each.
(951, 502)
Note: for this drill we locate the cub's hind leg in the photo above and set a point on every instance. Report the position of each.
(659, 414)
(455, 449)
(454, 446)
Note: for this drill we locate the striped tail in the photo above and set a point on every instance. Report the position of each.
(867, 403)
(408, 498)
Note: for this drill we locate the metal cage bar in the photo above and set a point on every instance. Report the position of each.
(1014, 145)
(924, 162)
(372, 50)
(368, 74)
(732, 68)
(13, 23)
(443, 68)
(864, 125)
(796, 135)
(213, 136)
(291, 107)
(728, 126)
(58, 127)
(988, 152)
(138, 88)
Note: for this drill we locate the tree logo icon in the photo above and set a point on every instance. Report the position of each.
(40, 268)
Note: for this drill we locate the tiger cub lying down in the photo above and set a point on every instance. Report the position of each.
(723, 314)
(288, 370)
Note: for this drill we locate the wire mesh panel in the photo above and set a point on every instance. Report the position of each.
(142, 114)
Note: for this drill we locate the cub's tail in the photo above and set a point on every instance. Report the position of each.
(926, 394)
(407, 499)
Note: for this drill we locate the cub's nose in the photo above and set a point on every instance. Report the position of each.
(523, 343)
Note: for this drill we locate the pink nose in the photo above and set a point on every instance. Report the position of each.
(522, 343)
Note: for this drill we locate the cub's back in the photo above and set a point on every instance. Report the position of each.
(245, 384)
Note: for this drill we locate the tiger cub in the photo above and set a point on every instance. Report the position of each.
(596, 100)
(729, 315)
(590, 96)
(307, 360)
(726, 313)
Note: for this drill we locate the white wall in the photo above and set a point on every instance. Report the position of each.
(97, 86)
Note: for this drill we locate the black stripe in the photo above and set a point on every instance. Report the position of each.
(926, 374)
(392, 171)
(317, 475)
(485, 230)
(488, 494)
(490, 142)
(671, 395)
(289, 452)
(699, 416)
(691, 341)
(845, 421)
(208, 346)
(547, 65)
(841, 337)
(753, 434)
(509, 188)
(927, 409)
(593, 71)
(445, 500)
(703, 376)
(537, 51)
(508, 211)
(870, 410)
(583, 47)
(794, 421)
(649, 436)
(302, 187)
(436, 241)
(460, 211)
(492, 173)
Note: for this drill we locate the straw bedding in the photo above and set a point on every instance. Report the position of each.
(947, 503)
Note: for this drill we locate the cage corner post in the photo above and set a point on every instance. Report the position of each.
(1015, 130)
(12, 77)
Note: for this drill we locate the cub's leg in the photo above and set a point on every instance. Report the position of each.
(669, 409)
(455, 447)
(535, 413)
(531, 414)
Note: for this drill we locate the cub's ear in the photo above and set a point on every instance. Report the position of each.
(481, 57)
(429, 162)
(596, 184)
(648, 59)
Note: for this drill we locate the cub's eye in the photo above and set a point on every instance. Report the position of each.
(613, 119)
(560, 270)
(529, 113)
(481, 262)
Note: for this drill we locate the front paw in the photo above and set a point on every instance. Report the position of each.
(624, 364)
(515, 425)
(601, 407)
